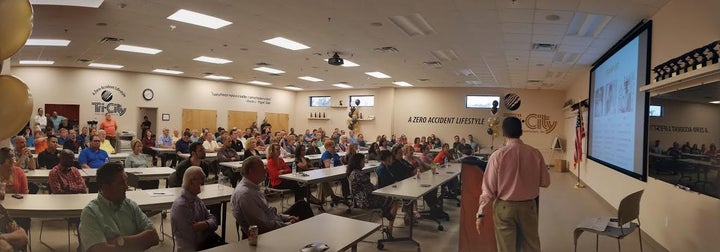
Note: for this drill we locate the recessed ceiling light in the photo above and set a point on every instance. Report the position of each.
(47, 42)
(342, 85)
(378, 75)
(137, 49)
(101, 65)
(293, 88)
(218, 77)
(346, 63)
(402, 84)
(78, 3)
(268, 70)
(166, 71)
(199, 19)
(310, 78)
(37, 62)
(715, 102)
(262, 83)
(212, 60)
(286, 43)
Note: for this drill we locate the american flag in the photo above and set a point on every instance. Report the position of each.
(579, 135)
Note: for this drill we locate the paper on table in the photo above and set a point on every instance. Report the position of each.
(160, 194)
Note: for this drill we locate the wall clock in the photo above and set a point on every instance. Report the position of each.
(148, 94)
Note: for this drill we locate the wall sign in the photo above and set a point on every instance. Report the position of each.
(246, 98)
(446, 120)
(536, 123)
(679, 129)
(512, 101)
(106, 95)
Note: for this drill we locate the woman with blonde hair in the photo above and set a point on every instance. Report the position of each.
(250, 149)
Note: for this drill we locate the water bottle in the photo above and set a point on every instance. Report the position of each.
(294, 168)
(221, 181)
(446, 162)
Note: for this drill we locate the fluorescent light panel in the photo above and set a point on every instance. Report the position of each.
(212, 60)
(137, 49)
(342, 85)
(294, 88)
(715, 102)
(166, 71)
(47, 42)
(262, 83)
(77, 3)
(198, 19)
(218, 77)
(101, 65)
(378, 75)
(269, 70)
(346, 63)
(402, 84)
(310, 78)
(286, 43)
(37, 62)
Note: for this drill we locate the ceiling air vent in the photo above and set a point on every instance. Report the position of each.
(542, 47)
(110, 41)
(262, 64)
(433, 64)
(386, 49)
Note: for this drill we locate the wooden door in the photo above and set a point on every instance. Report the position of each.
(241, 119)
(278, 121)
(199, 118)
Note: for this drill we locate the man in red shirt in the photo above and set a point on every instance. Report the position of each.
(512, 180)
(110, 127)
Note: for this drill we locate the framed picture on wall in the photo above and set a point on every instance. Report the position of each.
(166, 117)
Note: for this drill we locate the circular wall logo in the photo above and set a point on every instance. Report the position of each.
(106, 95)
(512, 101)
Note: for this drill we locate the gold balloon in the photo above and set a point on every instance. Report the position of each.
(15, 26)
(16, 105)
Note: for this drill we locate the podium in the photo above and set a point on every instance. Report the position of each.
(470, 240)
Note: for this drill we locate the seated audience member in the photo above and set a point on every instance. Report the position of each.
(210, 144)
(23, 157)
(182, 146)
(656, 147)
(474, 145)
(176, 136)
(12, 236)
(712, 152)
(14, 178)
(197, 158)
(302, 163)
(65, 124)
(290, 145)
(148, 141)
(674, 151)
(313, 148)
(93, 156)
(374, 152)
(361, 141)
(237, 144)
(72, 143)
(685, 148)
(30, 140)
(328, 159)
(416, 162)
(251, 208)
(385, 178)
(83, 137)
(443, 155)
(165, 141)
(456, 144)
(112, 222)
(51, 156)
(65, 178)
(250, 149)
(416, 144)
(275, 167)
(361, 186)
(702, 150)
(351, 151)
(228, 154)
(105, 143)
(63, 136)
(192, 223)
(436, 144)
(195, 137)
(342, 144)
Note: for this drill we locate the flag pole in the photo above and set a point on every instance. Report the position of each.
(578, 184)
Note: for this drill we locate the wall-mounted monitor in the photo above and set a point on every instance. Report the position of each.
(655, 111)
(617, 117)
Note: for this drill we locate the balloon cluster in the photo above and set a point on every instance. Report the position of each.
(16, 102)
(493, 122)
(353, 114)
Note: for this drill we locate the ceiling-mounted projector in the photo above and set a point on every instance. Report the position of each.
(336, 60)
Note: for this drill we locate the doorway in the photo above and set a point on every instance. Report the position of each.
(151, 113)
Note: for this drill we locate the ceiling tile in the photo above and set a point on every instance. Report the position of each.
(508, 4)
(549, 29)
(546, 39)
(517, 15)
(577, 41)
(517, 27)
(543, 17)
(517, 37)
(568, 5)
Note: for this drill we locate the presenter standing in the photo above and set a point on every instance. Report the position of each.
(512, 180)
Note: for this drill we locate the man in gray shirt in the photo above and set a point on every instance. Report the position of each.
(251, 208)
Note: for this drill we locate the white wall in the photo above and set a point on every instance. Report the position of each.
(172, 94)
(678, 220)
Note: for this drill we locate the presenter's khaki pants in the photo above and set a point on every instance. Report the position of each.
(516, 226)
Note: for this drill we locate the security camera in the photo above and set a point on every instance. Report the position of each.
(336, 60)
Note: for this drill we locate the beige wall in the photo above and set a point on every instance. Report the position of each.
(393, 107)
(172, 94)
(678, 220)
